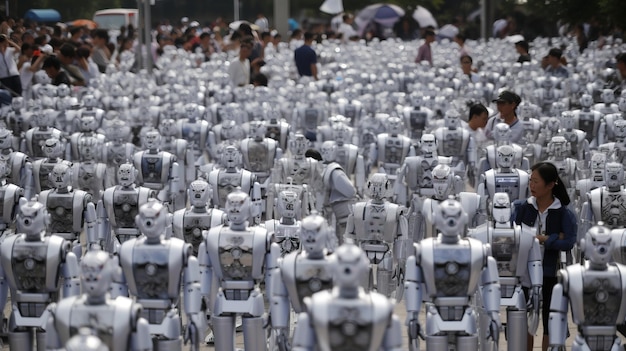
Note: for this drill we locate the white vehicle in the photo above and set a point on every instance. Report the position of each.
(113, 19)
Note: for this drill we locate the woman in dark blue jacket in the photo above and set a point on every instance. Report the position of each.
(546, 210)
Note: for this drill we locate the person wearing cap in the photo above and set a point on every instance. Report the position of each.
(555, 67)
(507, 103)
(424, 52)
(9, 75)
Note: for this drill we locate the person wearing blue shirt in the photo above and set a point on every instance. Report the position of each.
(306, 58)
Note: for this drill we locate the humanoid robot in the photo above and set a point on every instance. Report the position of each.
(448, 270)
(90, 108)
(348, 156)
(308, 116)
(456, 142)
(236, 257)
(70, 210)
(417, 116)
(391, 148)
(118, 207)
(548, 93)
(117, 322)
(608, 105)
(594, 291)
(223, 98)
(532, 129)
(195, 131)
(89, 174)
(380, 228)
(42, 130)
(154, 268)
(277, 128)
(579, 146)
(10, 195)
(300, 274)
(53, 150)
(505, 178)
(606, 132)
(616, 149)
(229, 132)
(87, 126)
(158, 170)
(589, 121)
(518, 257)
(286, 229)
(348, 317)
(502, 136)
(179, 148)
(17, 121)
(415, 175)
(593, 180)
(559, 154)
(31, 263)
(297, 166)
(191, 224)
(117, 150)
(350, 107)
(19, 168)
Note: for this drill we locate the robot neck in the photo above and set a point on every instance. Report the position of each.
(449, 239)
(349, 292)
(596, 266)
(287, 220)
(499, 225)
(505, 169)
(35, 236)
(614, 189)
(239, 227)
(97, 300)
(375, 201)
(153, 240)
(198, 209)
(64, 189)
(315, 255)
(7, 151)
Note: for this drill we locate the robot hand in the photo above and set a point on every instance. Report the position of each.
(192, 332)
(534, 310)
(494, 327)
(281, 336)
(414, 331)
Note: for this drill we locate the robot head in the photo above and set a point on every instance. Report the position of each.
(586, 100)
(607, 96)
(258, 129)
(126, 174)
(231, 157)
(88, 148)
(88, 123)
(341, 132)
(394, 125)
(192, 111)
(61, 176)
(96, 273)
(32, 218)
(298, 144)
(417, 98)
(90, 101)
(238, 207)
(501, 208)
(505, 156)
(152, 140)
(621, 103)
(428, 144)
(4, 169)
(152, 219)
(118, 130)
(598, 245)
(526, 110)
(199, 193)
(6, 138)
(451, 119)
(614, 175)
(288, 204)
(502, 133)
(167, 127)
(443, 181)
(328, 151)
(557, 108)
(53, 148)
(597, 165)
(85, 341)
(568, 120)
(450, 219)
(378, 186)
(558, 147)
(63, 90)
(350, 267)
(17, 103)
(224, 96)
(619, 129)
(313, 233)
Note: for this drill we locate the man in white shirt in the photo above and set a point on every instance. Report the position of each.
(346, 30)
(9, 75)
(239, 69)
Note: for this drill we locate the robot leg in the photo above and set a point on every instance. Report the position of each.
(167, 344)
(437, 343)
(22, 340)
(483, 326)
(384, 277)
(469, 342)
(254, 338)
(224, 331)
(40, 336)
(77, 249)
(516, 330)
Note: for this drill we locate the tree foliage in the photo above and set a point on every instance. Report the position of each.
(579, 11)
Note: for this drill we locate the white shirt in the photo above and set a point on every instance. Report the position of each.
(8, 66)
(239, 72)
(347, 31)
(26, 76)
(263, 24)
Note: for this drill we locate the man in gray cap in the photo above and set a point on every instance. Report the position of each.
(507, 103)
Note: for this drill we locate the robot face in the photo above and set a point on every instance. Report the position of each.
(502, 132)
(152, 219)
(88, 148)
(88, 123)
(258, 129)
(351, 94)
(298, 144)
(586, 100)
(553, 124)
(61, 176)
(598, 161)
(450, 218)
(313, 233)
(558, 146)
(231, 157)
(152, 140)
(288, 204)
(614, 175)
(4, 169)
(568, 121)
(557, 108)
(84, 341)
(505, 156)
(191, 111)
(416, 99)
(32, 217)
(526, 110)
(501, 208)
(619, 128)
(126, 174)
(238, 207)
(329, 151)
(350, 267)
(598, 245)
(96, 273)
(378, 186)
(428, 144)
(621, 103)
(442, 180)
(167, 127)
(394, 125)
(199, 193)
(53, 148)
(341, 132)
(17, 103)
(6, 138)
(607, 96)
(224, 96)
(451, 119)
(63, 90)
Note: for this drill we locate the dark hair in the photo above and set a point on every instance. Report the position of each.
(555, 52)
(308, 36)
(205, 35)
(477, 109)
(68, 50)
(460, 37)
(549, 173)
(100, 33)
(468, 57)
(523, 44)
(83, 52)
(621, 57)
(312, 153)
(52, 61)
(429, 32)
(245, 29)
(26, 47)
(259, 79)
(266, 35)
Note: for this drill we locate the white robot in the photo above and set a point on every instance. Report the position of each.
(350, 107)
(616, 149)
(87, 126)
(308, 116)
(229, 132)
(593, 180)
(505, 178)
(277, 128)
(43, 129)
(347, 317)
(90, 108)
(171, 143)
(158, 170)
(606, 203)
(417, 116)
(117, 209)
(456, 142)
(559, 154)
(579, 145)
(31, 264)
(448, 270)
(502, 136)
(589, 121)
(84, 341)
(19, 168)
(606, 127)
(380, 228)
(154, 268)
(300, 274)
(608, 105)
(191, 224)
(89, 174)
(519, 262)
(196, 131)
(10, 195)
(286, 229)
(296, 166)
(391, 148)
(117, 322)
(117, 150)
(70, 210)
(348, 156)
(54, 150)
(236, 258)
(17, 121)
(532, 129)
(594, 291)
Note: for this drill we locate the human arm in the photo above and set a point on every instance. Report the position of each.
(566, 239)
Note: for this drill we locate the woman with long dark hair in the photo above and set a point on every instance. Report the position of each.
(546, 210)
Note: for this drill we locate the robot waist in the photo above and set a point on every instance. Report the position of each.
(154, 316)
(238, 285)
(31, 310)
(460, 302)
(237, 295)
(606, 331)
(154, 186)
(155, 304)
(27, 298)
(374, 246)
(451, 313)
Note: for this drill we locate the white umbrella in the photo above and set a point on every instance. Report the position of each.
(384, 14)
(514, 38)
(424, 17)
(332, 7)
(448, 31)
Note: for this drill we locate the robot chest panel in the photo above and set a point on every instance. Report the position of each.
(116, 154)
(587, 123)
(274, 131)
(29, 266)
(61, 209)
(100, 319)
(193, 134)
(311, 118)
(88, 179)
(300, 171)
(3, 195)
(351, 328)
(375, 223)
(44, 171)
(452, 143)
(508, 183)
(394, 150)
(227, 182)
(504, 251)
(312, 277)
(125, 208)
(417, 121)
(236, 255)
(151, 268)
(152, 168)
(38, 140)
(258, 157)
(602, 298)
(453, 270)
(193, 226)
(350, 111)
(614, 209)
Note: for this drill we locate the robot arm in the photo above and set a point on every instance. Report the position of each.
(304, 335)
(27, 180)
(141, 340)
(491, 297)
(70, 272)
(359, 174)
(53, 339)
(558, 312)
(175, 184)
(206, 272)
(118, 283)
(90, 225)
(535, 272)
(279, 308)
(103, 226)
(400, 251)
(193, 303)
(413, 289)
(349, 236)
